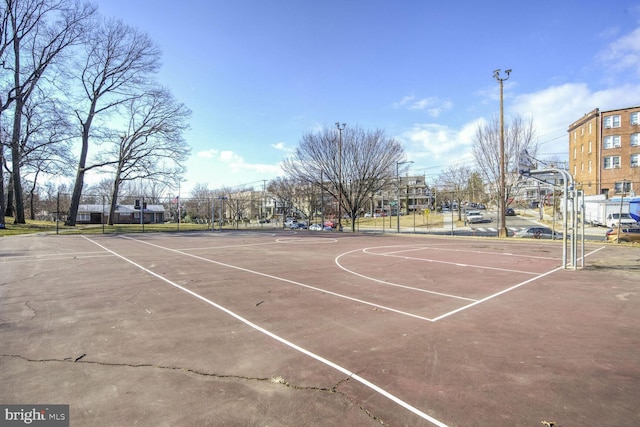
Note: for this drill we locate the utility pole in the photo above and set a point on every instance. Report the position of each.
(398, 192)
(624, 181)
(502, 230)
(321, 199)
(340, 129)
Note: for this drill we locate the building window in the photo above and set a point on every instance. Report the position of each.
(622, 187)
(590, 146)
(612, 162)
(635, 160)
(589, 128)
(612, 121)
(590, 166)
(634, 118)
(575, 151)
(635, 139)
(612, 141)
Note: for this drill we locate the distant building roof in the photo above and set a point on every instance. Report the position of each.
(122, 209)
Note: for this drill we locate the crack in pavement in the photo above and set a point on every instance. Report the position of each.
(273, 379)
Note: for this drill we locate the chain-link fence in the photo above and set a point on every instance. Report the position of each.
(151, 212)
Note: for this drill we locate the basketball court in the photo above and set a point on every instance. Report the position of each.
(301, 328)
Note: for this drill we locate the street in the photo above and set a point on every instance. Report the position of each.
(489, 228)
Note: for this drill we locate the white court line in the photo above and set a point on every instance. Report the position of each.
(293, 282)
(457, 264)
(200, 248)
(391, 283)
(290, 240)
(508, 289)
(296, 240)
(278, 338)
(473, 252)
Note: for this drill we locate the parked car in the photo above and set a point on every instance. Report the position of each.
(538, 233)
(510, 212)
(315, 227)
(293, 224)
(481, 206)
(302, 225)
(627, 234)
(474, 217)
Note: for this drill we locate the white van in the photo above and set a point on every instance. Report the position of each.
(613, 219)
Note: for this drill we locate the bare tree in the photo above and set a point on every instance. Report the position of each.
(298, 198)
(455, 183)
(283, 189)
(34, 35)
(238, 202)
(201, 191)
(519, 135)
(476, 188)
(152, 148)
(116, 67)
(45, 147)
(200, 206)
(99, 192)
(350, 167)
(307, 200)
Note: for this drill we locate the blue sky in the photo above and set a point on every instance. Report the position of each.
(259, 74)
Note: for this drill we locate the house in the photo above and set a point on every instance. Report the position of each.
(604, 151)
(124, 214)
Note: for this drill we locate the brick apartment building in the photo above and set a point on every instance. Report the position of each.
(604, 151)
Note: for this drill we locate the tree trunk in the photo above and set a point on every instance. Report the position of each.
(77, 187)
(32, 192)
(114, 200)
(2, 210)
(9, 209)
(18, 218)
(17, 180)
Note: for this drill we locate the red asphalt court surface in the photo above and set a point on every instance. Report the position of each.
(288, 329)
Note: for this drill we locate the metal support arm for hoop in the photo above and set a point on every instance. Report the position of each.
(527, 167)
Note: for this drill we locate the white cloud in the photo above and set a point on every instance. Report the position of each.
(281, 146)
(624, 53)
(226, 168)
(434, 106)
(230, 158)
(404, 101)
(437, 146)
(208, 154)
(555, 108)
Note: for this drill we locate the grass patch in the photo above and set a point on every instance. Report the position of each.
(35, 226)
